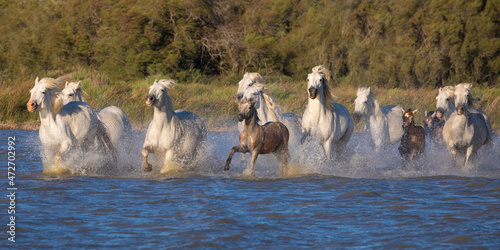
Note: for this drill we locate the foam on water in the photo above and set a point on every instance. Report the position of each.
(359, 160)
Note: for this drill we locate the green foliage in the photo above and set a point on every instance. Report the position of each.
(404, 44)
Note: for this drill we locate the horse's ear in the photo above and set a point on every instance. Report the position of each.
(156, 81)
(403, 111)
(66, 85)
(415, 111)
(426, 113)
(36, 81)
(468, 85)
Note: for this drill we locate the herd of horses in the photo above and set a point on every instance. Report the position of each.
(69, 123)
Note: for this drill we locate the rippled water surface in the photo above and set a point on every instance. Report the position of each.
(366, 200)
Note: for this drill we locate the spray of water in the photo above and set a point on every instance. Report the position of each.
(359, 160)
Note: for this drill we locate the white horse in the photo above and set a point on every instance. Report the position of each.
(114, 119)
(63, 128)
(329, 122)
(463, 95)
(383, 125)
(177, 135)
(444, 102)
(464, 132)
(267, 111)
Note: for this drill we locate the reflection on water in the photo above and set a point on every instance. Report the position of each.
(366, 199)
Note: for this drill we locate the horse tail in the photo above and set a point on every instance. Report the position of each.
(104, 139)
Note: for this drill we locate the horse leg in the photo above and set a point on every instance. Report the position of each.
(169, 164)
(453, 157)
(249, 170)
(283, 155)
(145, 165)
(468, 155)
(230, 157)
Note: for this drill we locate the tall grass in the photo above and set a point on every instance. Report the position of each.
(213, 100)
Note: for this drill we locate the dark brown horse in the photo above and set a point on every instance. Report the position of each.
(413, 139)
(271, 137)
(433, 127)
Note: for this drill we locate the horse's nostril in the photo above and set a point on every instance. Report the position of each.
(32, 104)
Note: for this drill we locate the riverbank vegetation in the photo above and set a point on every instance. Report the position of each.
(405, 50)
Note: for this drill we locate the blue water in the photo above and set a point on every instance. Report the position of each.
(365, 200)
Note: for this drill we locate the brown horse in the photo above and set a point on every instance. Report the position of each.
(433, 127)
(255, 139)
(413, 140)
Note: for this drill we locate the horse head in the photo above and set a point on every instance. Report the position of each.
(363, 103)
(247, 108)
(249, 79)
(45, 95)
(73, 92)
(462, 99)
(444, 101)
(408, 118)
(158, 93)
(317, 85)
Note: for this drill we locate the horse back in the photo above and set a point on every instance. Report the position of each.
(276, 135)
(393, 114)
(192, 122)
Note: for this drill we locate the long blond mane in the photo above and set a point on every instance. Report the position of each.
(255, 77)
(326, 89)
(53, 86)
(272, 106)
(169, 84)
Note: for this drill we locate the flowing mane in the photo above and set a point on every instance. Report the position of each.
(326, 89)
(53, 86)
(271, 105)
(169, 84)
(450, 90)
(255, 77)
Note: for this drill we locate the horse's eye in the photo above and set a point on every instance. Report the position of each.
(162, 90)
(43, 92)
(251, 84)
(71, 94)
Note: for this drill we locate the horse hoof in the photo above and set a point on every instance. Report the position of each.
(226, 168)
(147, 168)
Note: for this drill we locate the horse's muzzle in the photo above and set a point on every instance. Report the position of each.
(150, 100)
(439, 113)
(356, 117)
(241, 117)
(461, 110)
(238, 97)
(313, 92)
(32, 106)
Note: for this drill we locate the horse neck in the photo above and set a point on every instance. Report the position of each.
(377, 110)
(47, 118)
(251, 123)
(164, 115)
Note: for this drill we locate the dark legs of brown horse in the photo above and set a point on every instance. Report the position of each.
(235, 149)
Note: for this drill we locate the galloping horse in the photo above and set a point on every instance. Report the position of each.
(114, 119)
(465, 131)
(66, 127)
(267, 111)
(383, 124)
(271, 137)
(174, 134)
(413, 139)
(329, 122)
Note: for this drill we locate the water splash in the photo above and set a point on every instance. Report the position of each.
(359, 160)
